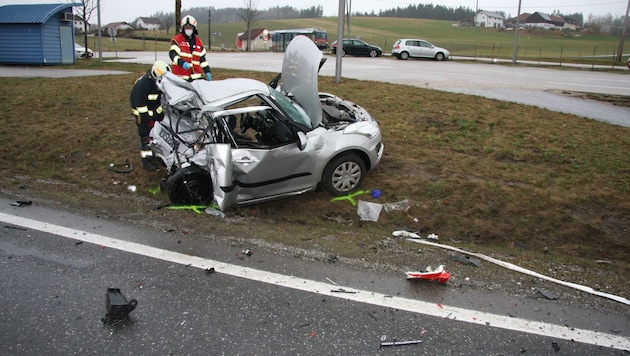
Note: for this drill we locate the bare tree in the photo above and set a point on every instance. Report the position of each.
(168, 22)
(86, 11)
(250, 15)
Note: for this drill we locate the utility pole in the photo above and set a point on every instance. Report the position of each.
(100, 39)
(623, 35)
(178, 14)
(349, 14)
(209, 30)
(340, 16)
(518, 15)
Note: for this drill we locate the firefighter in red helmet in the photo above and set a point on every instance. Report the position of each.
(188, 54)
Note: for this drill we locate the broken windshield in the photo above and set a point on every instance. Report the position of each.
(292, 109)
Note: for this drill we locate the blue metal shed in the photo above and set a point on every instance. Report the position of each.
(37, 34)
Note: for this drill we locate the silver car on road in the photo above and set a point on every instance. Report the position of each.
(240, 141)
(417, 48)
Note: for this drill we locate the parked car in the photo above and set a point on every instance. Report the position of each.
(82, 52)
(405, 48)
(239, 141)
(356, 47)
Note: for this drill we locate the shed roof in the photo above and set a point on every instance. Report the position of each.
(38, 13)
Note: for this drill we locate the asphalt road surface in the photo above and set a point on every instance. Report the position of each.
(197, 295)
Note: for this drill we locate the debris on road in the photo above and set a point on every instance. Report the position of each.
(122, 168)
(369, 211)
(117, 306)
(547, 294)
(413, 235)
(466, 260)
(341, 290)
(430, 274)
(516, 268)
(402, 205)
(400, 343)
(15, 227)
(21, 203)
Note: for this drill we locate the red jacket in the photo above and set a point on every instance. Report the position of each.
(181, 52)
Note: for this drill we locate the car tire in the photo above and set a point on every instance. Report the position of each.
(344, 174)
(190, 186)
(373, 53)
(343, 53)
(439, 56)
(404, 56)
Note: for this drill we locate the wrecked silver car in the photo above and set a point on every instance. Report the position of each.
(240, 141)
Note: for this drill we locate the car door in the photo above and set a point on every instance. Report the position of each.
(413, 47)
(425, 49)
(360, 48)
(267, 159)
(349, 47)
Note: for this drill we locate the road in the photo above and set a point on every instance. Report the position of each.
(529, 85)
(57, 265)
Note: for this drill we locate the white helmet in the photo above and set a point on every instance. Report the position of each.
(189, 21)
(159, 68)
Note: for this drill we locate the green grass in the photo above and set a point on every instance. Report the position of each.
(461, 41)
(519, 176)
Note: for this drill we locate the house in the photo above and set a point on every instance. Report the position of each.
(116, 27)
(37, 34)
(511, 22)
(564, 23)
(80, 26)
(260, 40)
(544, 21)
(489, 19)
(148, 23)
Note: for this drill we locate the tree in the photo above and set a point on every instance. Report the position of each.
(250, 15)
(87, 9)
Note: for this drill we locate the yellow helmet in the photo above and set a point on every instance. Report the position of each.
(159, 68)
(189, 21)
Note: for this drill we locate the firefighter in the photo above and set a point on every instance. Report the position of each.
(188, 54)
(146, 107)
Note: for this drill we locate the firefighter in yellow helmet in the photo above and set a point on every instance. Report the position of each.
(146, 107)
(187, 52)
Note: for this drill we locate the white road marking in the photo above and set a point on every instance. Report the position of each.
(362, 296)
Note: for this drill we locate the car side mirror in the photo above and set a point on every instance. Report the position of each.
(301, 140)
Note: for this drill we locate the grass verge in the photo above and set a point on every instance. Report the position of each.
(489, 176)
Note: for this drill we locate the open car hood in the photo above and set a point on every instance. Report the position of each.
(300, 68)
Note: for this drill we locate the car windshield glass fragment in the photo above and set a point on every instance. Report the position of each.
(291, 109)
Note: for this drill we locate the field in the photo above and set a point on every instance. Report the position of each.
(553, 46)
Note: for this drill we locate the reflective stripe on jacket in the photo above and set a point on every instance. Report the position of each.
(194, 56)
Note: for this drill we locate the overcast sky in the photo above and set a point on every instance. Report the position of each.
(128, 10)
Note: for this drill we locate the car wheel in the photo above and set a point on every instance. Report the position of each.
(343, 53)
(190, 186)
(373, 53)
(404, 56)
(344, 174)
(439, 56)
